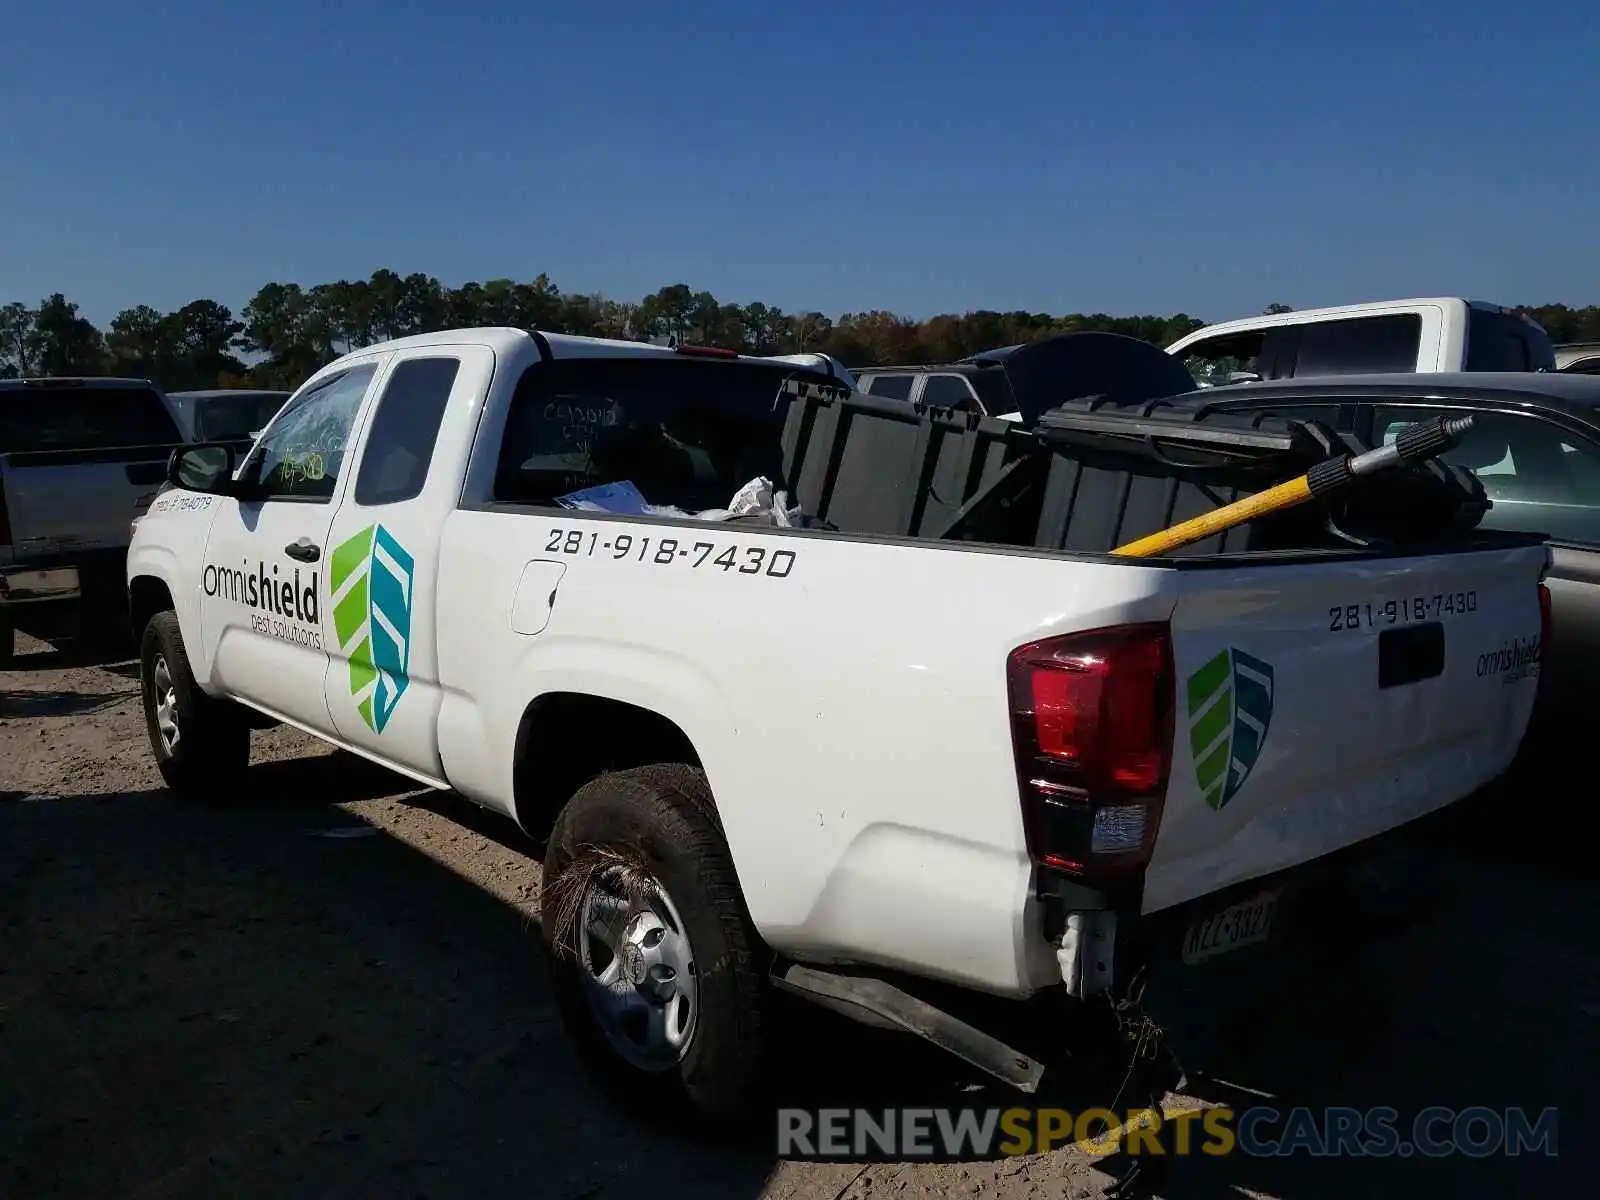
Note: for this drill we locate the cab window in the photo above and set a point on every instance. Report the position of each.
(947, 391)
(894, 387)
(1359, 345)
(404, 430)
(685, 433)
(301, 454)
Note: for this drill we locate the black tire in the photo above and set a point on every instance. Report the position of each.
(663, 816)
(206, 762)
(8, 641)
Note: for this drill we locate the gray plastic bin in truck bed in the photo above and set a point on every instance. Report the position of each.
(1090, 475)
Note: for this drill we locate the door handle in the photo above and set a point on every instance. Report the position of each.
(303, 550)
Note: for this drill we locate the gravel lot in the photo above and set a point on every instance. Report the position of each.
(223, 1003)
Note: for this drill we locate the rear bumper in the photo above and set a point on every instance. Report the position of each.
(64, 579)
(38, 585)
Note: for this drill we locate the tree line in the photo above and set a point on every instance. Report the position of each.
(292, 330)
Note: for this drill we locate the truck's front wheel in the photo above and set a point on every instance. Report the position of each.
(655, 963)
(201, 744)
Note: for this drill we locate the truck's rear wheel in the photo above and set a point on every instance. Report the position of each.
(655, 963)
(201, 744)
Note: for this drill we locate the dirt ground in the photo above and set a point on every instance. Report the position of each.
(229, 1002)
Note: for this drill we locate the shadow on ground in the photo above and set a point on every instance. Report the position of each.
(52, 646)
(18, 705)
(196, 1003)
(1490, 1002)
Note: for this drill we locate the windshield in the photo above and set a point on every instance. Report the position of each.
(235, 418)
(1214, 362)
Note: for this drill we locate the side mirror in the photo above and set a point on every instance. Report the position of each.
(203, 468)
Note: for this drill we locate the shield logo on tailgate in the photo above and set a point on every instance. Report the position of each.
(1230, 709)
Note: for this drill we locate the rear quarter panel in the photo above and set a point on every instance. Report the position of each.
(852, 716)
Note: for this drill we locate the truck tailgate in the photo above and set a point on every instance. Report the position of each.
(1322, 704)
(78, 500)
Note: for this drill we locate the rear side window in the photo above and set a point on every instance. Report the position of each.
(1502, 342)
(947, 391)
(1584, 366)
(894, 387)
(68, 418)
(686, 433)
(399, 449)
(1359, 346)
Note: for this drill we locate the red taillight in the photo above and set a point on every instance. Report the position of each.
(1092, 724)
(707, 352)
(1545, 622)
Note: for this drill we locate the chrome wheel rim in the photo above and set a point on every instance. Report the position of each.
(639, 976)
(166, 698)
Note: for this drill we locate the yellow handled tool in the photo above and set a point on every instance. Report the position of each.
(1421, 441)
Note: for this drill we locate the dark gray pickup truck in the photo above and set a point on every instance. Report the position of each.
(80, 459)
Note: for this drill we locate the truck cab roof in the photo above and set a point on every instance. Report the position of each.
(1334, 312)
(507, 340)
(43, 382)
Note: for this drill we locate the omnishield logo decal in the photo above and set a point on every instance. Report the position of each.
(1517, 659)
(370, 578)
(1230, 709)
(282, 605)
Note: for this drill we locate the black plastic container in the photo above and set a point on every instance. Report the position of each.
(1091, 475)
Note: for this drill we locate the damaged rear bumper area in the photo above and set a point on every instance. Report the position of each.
(1189, 970)
(1130, 982)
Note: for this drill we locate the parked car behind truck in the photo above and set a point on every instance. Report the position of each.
(225, 414)
(1445, 333)
(1579, 358)
(79, 460)
(968, 386)
(1536, 449)
(830, 755)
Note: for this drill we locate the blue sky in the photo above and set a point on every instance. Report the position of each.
(921, 157)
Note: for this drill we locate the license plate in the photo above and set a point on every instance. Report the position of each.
(1244, 924)
(57, 583)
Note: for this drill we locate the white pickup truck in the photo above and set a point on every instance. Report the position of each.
(790, 747)
(1433, 334)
